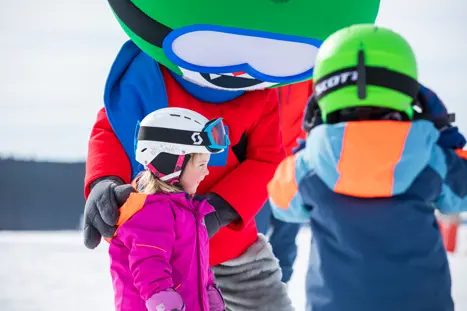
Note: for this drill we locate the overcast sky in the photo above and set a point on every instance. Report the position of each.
(55, 58)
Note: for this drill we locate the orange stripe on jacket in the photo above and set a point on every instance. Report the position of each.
(283, 186)
(370, 152)
(134, 203)
(462, 153)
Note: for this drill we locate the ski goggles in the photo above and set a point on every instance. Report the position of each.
(213, 136)
(216, 135)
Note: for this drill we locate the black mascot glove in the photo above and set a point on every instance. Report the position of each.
(101, 209)
(223, 215)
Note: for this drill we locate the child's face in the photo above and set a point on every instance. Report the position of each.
(194, 172)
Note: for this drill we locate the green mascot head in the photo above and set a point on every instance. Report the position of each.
(238, 44)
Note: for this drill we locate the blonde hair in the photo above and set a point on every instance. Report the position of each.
(147, 183)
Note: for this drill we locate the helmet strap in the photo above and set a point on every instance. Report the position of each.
(362, 77)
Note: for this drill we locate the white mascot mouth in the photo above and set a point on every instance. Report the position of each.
(234, 61)
(235, 80)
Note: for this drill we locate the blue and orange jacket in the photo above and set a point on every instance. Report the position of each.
(369, 190)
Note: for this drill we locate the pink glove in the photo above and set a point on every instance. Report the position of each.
(216, 302)
(168, 300)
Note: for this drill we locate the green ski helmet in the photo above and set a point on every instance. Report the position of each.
(365, 65)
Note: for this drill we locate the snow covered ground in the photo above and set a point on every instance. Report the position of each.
(52, 271)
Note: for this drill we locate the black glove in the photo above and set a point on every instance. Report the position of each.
(223, 215)
(101, 209)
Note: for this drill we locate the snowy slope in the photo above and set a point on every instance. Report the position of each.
(54, 272)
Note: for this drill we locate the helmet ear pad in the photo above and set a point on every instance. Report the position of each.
(165, 163)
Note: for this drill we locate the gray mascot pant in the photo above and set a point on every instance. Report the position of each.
(252, 281)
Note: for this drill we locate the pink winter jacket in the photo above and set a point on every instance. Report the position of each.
(161, 243)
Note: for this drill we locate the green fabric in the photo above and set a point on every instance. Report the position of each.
(305, 18)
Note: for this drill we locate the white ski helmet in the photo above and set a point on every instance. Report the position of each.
(167, 135)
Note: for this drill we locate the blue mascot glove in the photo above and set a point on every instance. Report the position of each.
(450, 137)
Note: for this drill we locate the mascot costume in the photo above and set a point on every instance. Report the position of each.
(223, 59)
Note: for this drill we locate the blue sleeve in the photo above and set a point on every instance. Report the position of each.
(453, 197)
(285, 198)
(450, 137)
(296, 213)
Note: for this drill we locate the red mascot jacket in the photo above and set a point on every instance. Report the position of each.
(253, 126)
(252, 118)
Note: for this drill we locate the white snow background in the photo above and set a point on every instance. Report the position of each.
(53, 271)
(54, 59)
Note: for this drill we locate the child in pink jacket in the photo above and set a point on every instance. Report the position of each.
(160, 252)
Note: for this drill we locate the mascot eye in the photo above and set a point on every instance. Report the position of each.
(269, 59)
